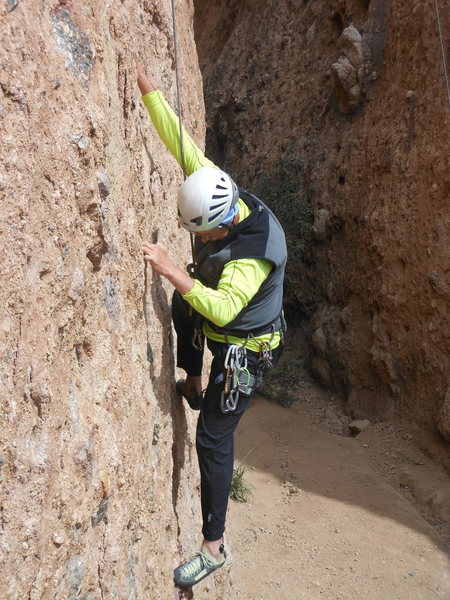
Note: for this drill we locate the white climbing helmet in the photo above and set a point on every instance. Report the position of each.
(205, 198)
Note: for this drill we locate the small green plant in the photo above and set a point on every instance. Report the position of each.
(241, 491)
(284, 190)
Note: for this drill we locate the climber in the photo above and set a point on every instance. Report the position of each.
(233, 297)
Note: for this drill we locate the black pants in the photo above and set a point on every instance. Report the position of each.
(214, 439)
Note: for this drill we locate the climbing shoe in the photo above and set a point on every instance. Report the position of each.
(198, 567)
(194, 400)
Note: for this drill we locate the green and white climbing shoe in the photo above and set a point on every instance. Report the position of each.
(198, 567)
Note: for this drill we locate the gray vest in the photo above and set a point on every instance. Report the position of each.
(260, 236)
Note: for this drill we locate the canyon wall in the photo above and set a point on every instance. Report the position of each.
(355, 90)
(98, 471)
(99, 485)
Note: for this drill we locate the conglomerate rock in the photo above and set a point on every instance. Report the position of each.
(98, 473)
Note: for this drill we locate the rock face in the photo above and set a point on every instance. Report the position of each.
(362, 102)
(98, 471)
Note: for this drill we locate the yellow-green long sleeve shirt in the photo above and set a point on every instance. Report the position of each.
(168, 128)
(240, 279)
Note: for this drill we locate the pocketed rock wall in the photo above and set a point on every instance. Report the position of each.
(98, 470)
(358, 87)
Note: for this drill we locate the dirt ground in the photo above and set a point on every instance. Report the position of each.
(334, 516)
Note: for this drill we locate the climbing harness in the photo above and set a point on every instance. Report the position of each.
(180, 113)
(438, 20)
(237, 378)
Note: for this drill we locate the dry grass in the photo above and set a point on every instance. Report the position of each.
(241, 491)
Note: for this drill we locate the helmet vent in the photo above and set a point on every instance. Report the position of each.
(221, 187)
(218, 197)
(214, 216)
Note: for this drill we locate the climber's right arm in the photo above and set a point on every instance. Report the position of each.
(167, 125)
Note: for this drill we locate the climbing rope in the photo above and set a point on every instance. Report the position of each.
(438, 19)
(177, 79)
(180, 113)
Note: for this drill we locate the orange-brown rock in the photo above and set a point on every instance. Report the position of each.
(98, 471)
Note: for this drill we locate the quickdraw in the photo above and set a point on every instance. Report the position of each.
(237, 378)
(264, 360)
(197, 340)
(197, 335)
